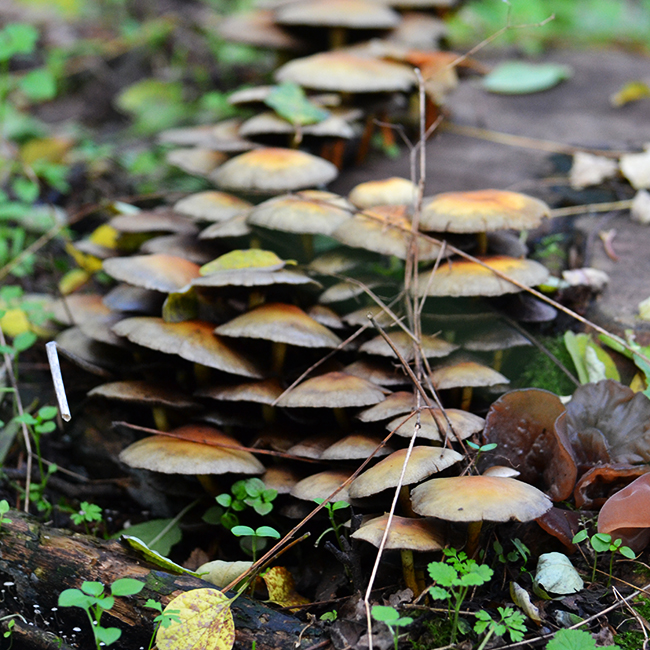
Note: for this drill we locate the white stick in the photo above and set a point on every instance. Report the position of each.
(57, 380)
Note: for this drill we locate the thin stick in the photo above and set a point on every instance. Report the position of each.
(57, 380)
(21, 413)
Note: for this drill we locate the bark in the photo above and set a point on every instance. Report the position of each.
(38, 562)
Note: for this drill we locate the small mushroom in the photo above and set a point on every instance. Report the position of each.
(388, 191)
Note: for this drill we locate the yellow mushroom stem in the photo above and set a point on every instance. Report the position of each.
(201, 374)
(268, 413)
(466, 398)
(342, 418)
(210, 484)
(255, 299)
(497, 360)
(308, 246)
(473, 535)
(482, 240)
(278, 355)
(405, 501)
(337, 38)
(160, 418)
(408, 571)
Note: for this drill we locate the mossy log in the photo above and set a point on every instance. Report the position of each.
(38, 562)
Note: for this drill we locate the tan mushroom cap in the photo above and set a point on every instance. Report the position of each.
(482, 210)
(338, 260)
(254, 278)
(191, 340)
(222, 136)
(463, 374)
(310, 212)
(313, 446)
(153, 221)
(378, 372)
(389, 191)
(186, 246)
(193, 452)
(196, 161)
(465, 278)
(321, 485)
(257, 27)
(79, 307)
(268, 122)
(282, 323)
(127, 298)
(501, 471)
(212, 206)
(423, 462)
(405, 533)
(384, 229)
(355, 446)
(355, 14)
(494, 336)
(280, 478)
(272, 169)
(431, 346)
(434, 425)
(347, 72)
(342, 291)
(359, 317)
(333, 390)
(325, 316)
(143, 392)
(164, 273)
(261, 392)
(234, 227)
(479, 498)
(394, 404)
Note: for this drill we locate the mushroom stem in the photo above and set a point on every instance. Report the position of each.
(482, 240)
(497, 360)
(201, 374)
(278, 354)
(342, 418)
(255, 299)
(405, 501)
(466, 398)
(268, 413)
(364, 144)
(337, 38)
(308, 246)
(408, 571)
(160, 418)
(473, 535)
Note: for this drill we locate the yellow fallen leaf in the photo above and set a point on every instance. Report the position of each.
(105, 235)
(632, 91)
(14, 322)
(206, 622)
(282, 587)
(638, 384)
(72, 280)
(87, 262)
(50, 149)
(644, 309)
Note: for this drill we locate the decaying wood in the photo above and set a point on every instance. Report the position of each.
(38, 562)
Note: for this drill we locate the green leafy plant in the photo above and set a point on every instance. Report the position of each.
(510, 621)
(247, 493)
(254, 539)
(88, 513)
(480, 449)
(575, 640)
(390, 617)
(329, 617)
(453, 578)
(335, 525)
(4, 509)
(94, 600)
(520, 552)
(603, 543)
(164, 618)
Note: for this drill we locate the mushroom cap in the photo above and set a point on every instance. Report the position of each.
(434, 426)
(127, 298)
(196, 161)
(212, 205)
(405, 533)
(355, 446)
(192, 340)
(244, 260)
(325, 316)
(193, 451)
(186, 246)
(321, 485)
(313, 446)
(257, 27)
(254, 278)
(143, 392)
(79, 307)
(379, 372)
(353, 14)
(268, 122)
(388, 191)
(333, 390)
(466, 373)
(394, 404)
(479, 498)
(501, 471)
(282, 323)
(280, 478)
(423, 462)
(164, 273)
(310, 212)
(626, 514)
(482, 210)
(347, 72)
(432, 346)
(272, 169)
(234, 227)
(261, 392)
(384, 229)
(153, 221)
(494, 336)
(359, 317)
(338, 260)
(465, 278)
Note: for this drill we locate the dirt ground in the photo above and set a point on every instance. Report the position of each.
(576, 112)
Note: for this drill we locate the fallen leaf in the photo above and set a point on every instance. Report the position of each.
(636, 168)
(221, 573)
(206, 622)
(521, 598)
(644, 309)
(640, 210)
(519, 77)
(556, 574)
(632, 91)
(588, 169)
(282, 587)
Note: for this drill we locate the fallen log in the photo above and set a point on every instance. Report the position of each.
(38, 562)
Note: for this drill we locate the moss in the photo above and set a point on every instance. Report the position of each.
(437, 632)
(634, 639)
(539, 371)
